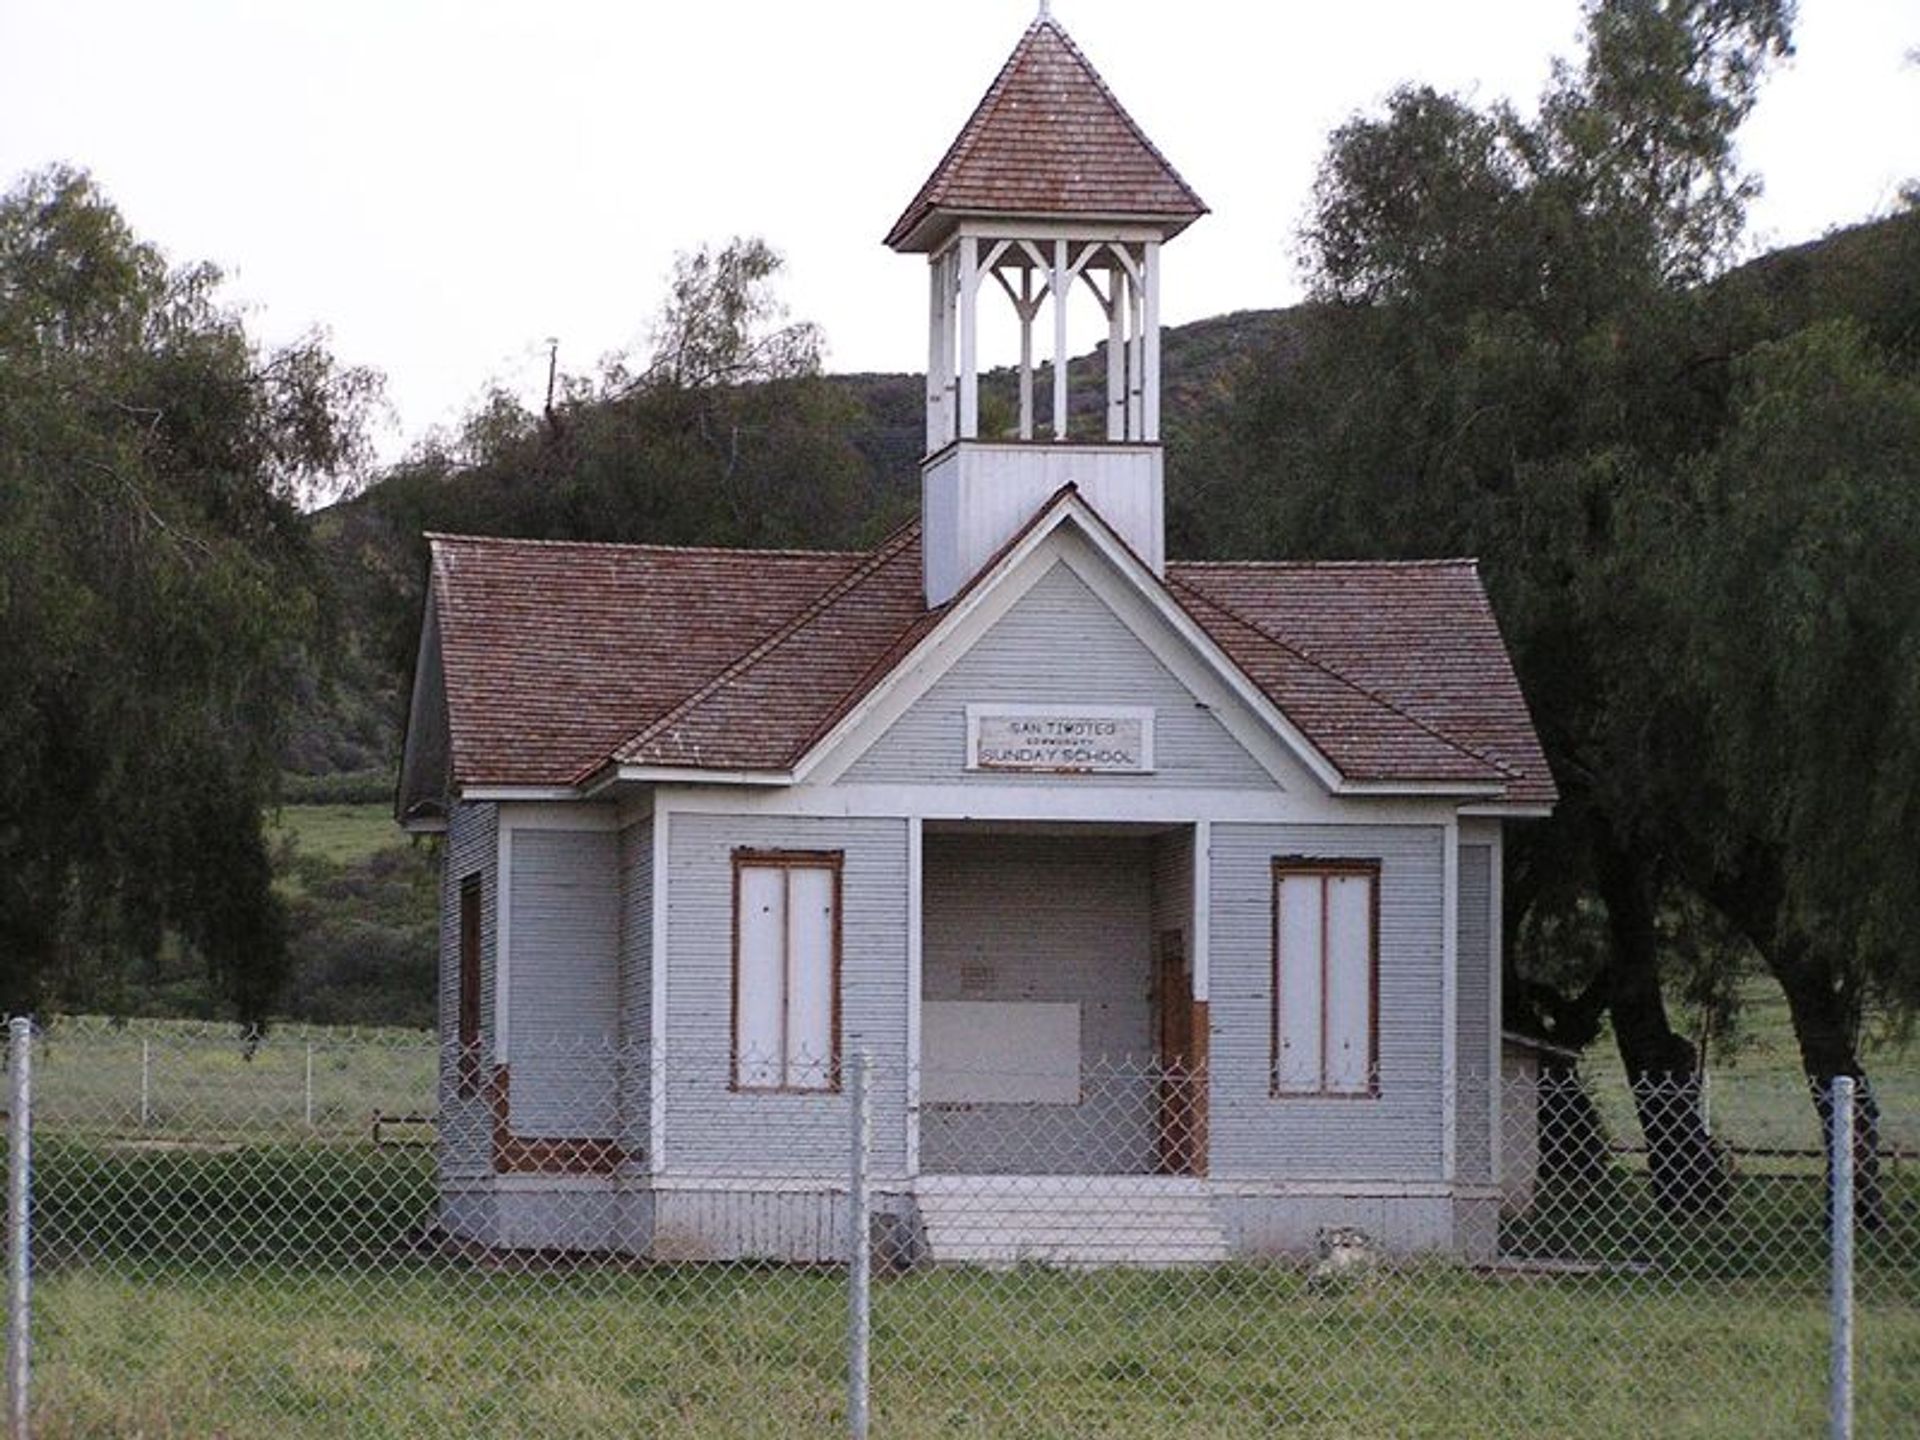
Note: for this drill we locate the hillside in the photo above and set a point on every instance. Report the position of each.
(835, 462)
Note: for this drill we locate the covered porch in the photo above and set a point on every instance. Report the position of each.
(1061, 1031)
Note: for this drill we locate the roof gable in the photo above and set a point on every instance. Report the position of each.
(1014, 660)
(1341, 645)
(769, 704)
(1049, 138)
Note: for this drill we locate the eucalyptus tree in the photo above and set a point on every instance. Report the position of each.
(1504, 348)
(156, 594)
(1792, 548)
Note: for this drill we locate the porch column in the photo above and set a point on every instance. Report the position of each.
(915, 989)
(1202, 983)
(1202, 904)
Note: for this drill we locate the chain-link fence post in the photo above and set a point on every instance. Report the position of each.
(1840, 1394)
(146, 1083)
(308, 1105)
(19, 1220)
(859, 1248)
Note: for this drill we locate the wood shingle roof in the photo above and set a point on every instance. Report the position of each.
(561, 659)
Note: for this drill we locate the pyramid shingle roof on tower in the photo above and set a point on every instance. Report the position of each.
(1049, 138)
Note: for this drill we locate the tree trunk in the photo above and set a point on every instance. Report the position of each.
(1573, 1137)
(1823, 1029)
(1688, 1173)
(1820, 1006)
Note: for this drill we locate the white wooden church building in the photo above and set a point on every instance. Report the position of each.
(1185, 876)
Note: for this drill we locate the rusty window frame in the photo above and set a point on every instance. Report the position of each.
(1301, 867)
(834, 862)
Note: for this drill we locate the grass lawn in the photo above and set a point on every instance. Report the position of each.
(271, 1290)
(418, 1349)
(228, 1269)
(1757, 1093)
(201, 1081)
(337, 833)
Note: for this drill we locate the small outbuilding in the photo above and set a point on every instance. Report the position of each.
(1184, 877)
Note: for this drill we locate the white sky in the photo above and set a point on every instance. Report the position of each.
(442, 185)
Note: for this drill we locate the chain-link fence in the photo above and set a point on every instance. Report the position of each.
(323, 1234)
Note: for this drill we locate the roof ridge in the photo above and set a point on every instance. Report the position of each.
(1333, 672)
(643, 546)
(878, 557)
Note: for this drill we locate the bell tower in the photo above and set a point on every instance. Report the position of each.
(1050, 197)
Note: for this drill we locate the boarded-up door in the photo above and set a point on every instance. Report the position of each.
(1180, 1021)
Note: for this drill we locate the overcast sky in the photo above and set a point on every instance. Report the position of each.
(442, 185)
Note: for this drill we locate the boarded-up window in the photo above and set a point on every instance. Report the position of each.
(786, 970)
(469, 1019)
(1325, 977)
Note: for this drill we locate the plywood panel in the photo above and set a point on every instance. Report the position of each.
(1000, 1051)
(563, 975)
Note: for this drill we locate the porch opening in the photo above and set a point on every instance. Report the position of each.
(1059, 1032)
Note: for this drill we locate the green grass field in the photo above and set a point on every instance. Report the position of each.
(229, 1266)
(1757, 1093)
(169, 1080)
(418, 1350)
(340, 834)
(278, 1288)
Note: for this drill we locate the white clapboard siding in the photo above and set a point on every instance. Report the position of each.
(977, 496)
(1044, 918)
(1396, 1135)
(563, 971)
(472, 848)
(1474, 1155)
(1019, 660)
(709, 1126)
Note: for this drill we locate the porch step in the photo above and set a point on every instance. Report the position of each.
(1152, 1221)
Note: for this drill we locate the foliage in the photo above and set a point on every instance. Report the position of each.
(156, 592)
(373, 786)
(1523, 349)
(1795, 543)
(1692, 497)
(721, 323)
(365, 937)
(727, 435)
